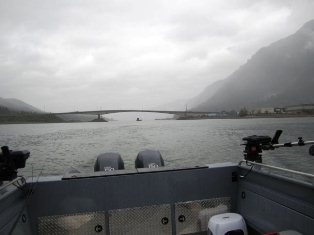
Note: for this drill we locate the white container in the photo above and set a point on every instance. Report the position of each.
(227, 222)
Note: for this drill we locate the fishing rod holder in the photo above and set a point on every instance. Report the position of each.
(10, 161)
(255, 145)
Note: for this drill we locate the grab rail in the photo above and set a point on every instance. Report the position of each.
(16, 180)
(278, 168)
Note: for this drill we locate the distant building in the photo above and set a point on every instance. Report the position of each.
(263, 111)
(279, 110)
(212, 114)
(301, 108)
(267, 110)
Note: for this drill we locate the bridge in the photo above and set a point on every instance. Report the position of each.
(103, 112)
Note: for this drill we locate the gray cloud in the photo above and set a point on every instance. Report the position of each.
(65, 55)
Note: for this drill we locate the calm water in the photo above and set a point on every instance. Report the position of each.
(56, 147)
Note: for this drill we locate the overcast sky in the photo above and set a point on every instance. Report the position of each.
(66, 55)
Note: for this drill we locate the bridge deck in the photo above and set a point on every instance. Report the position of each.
(101, 112)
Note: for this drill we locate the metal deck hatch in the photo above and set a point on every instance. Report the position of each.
(188, 218)
(73, 224)
(149, 220)
(193, 216)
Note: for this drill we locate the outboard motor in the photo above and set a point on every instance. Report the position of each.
(109, 162)
(149, 159)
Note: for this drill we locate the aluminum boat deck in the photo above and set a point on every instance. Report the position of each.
(158, 201)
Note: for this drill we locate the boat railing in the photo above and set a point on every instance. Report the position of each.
(17, 182)
(308, 177)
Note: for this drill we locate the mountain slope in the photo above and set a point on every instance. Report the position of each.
(278, 75)
(17, 105)
(208, 93)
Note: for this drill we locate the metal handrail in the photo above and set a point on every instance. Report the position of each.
(278, 168)
(21, 178)
(291, 144)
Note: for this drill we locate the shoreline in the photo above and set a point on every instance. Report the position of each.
(188, 118)
(246, 117)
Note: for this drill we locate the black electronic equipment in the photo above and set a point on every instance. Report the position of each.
(10, 161)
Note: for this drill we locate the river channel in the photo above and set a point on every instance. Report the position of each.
(56, 147)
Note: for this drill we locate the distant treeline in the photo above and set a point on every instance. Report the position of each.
(11, 116)
(5, 110)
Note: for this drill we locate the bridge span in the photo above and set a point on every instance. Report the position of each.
(103, 112)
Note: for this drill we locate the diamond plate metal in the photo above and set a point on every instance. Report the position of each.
(150, 220)
(78, 224)
(193, 216)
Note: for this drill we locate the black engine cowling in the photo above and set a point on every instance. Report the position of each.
(109, 162)
(149, 159)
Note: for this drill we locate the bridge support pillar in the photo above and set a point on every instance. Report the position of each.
(99, 118)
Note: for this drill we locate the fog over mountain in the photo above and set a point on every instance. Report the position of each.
(278, 75)
(17, 105)
(65, 56)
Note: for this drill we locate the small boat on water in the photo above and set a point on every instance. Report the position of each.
(139, 120)
(244, 198)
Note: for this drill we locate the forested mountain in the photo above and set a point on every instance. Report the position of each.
(277, 75)
(15, 105)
